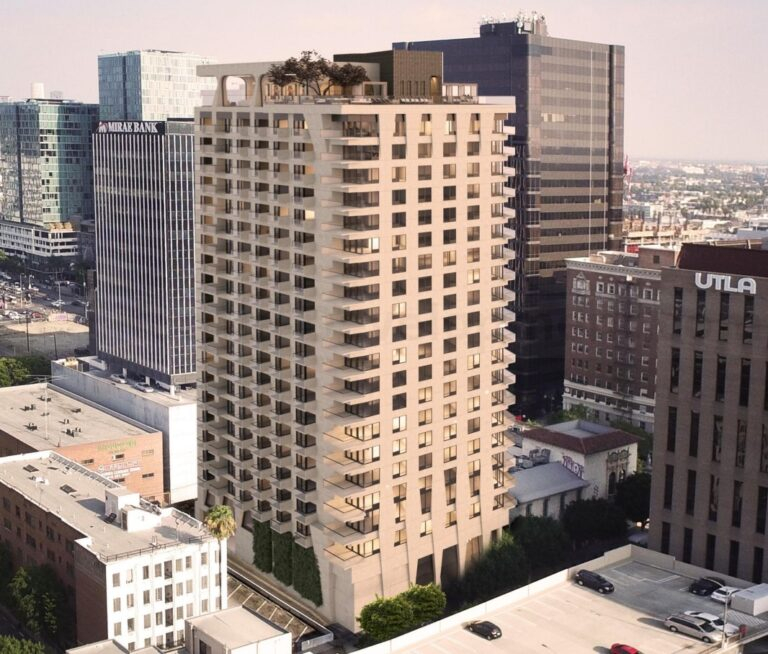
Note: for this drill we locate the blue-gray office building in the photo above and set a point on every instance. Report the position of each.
(568, 143)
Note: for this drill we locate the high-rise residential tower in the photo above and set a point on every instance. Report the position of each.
(351, 319)
(46, 186)
(709, 497)
(150, 85)
(568, 158)
(144, 185)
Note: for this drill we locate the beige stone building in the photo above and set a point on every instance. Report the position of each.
(352, 323)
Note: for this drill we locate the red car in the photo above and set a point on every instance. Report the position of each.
(618, 648)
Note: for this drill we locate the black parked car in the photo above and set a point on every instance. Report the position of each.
(486, 629)
(705, 586)
(594, 581)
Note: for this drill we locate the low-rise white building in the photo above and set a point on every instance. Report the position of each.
(134, 571)
(597, 455)
(175, 415)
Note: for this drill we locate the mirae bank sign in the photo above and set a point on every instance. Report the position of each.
(726, 283)
(130, 127)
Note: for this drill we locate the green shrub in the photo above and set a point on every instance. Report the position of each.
(10, 645)
(306, 574)
(282, 557)
(499, 569)
(387, 618)
(594, 519)
(543, 540)
(262, 546)
(427, 602)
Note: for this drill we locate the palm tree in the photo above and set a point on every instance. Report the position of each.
(221, 523)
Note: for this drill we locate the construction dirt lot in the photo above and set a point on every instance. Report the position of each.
(49, 339)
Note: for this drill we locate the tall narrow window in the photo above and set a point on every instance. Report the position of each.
(746, 369)
(669, 485)
(733, 558)
(687, 544)
(671, 429)
(709, 557)
(757, 565)
(717, 438)
(698, 362)
(714, 496)
(762, 508)
(674, 371)
(724, 310)
(741, 443)
(693, 435)
(764, 451)
(720, 379)
(749, 317)
(677, 311)
(701, 305)
(665, 528)
(690, 493)
(738, 488)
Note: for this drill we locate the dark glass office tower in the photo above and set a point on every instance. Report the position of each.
(568, 156)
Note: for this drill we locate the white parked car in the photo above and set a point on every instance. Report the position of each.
(715, 621)
(118, 379)
(723, 594)
(144, 387)
(58, 303)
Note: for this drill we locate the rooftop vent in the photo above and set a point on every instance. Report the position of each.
(30, 468)
(67, 489)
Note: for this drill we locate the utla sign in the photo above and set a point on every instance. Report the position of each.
(726, 283)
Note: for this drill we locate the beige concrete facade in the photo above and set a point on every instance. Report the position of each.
(351, 324)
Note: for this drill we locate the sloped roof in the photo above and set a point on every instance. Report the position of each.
(581, 436)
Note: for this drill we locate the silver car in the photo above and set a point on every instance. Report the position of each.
(696, 627)
(716, 621)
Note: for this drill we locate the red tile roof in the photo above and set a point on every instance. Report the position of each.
(585, 445)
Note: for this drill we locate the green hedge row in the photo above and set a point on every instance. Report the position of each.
(291, 563)
(262, 546)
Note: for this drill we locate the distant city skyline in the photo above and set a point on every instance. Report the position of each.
(693, 68)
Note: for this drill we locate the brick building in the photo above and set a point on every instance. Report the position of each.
(611, 326)
(39, 417)
(133, 571)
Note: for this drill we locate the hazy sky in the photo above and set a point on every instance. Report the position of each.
(697, 70)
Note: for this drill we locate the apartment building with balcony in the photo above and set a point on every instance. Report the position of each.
(352, 307)
(132, 571)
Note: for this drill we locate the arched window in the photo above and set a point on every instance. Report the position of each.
(612, 483)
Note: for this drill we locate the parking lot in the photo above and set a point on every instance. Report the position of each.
(569, 618)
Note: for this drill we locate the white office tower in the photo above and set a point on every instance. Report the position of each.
(351, 324)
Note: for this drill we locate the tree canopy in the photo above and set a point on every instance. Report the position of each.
(387, 617)
(427, 602)
(315, 73)
(633, 494)
(543, 540)
(10, 645)
(594, 519)
(22, 370)
(220, 522)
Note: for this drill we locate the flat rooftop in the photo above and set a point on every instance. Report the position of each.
(110, 647)
(159, 396)
(569, 618)
(77, 496)
(236, 627)
(45, 417)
